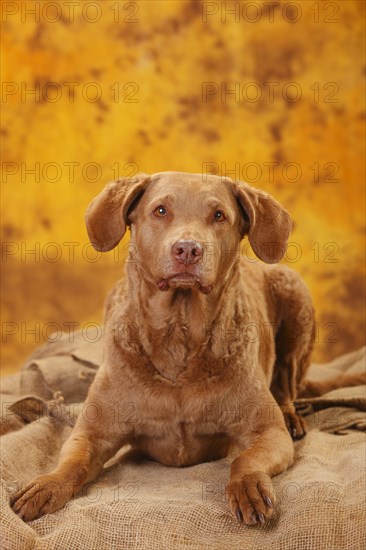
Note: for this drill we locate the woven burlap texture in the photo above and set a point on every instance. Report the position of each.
(140, 504)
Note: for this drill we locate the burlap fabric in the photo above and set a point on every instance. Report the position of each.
(137, 503)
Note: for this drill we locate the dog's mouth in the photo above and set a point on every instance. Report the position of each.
(183, 280)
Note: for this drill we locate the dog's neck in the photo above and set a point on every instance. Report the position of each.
(180, 325)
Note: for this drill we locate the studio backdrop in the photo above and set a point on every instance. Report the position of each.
(267, 92)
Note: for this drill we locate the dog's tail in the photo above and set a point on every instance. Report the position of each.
(346, 371)
(316, 388)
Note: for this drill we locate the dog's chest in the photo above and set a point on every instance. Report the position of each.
(180, 434)
(183, 443)
(183, 423)
(182, 400)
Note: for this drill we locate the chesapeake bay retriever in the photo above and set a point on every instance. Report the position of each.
(209, 347)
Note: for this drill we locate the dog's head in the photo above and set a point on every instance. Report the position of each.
(186, 228)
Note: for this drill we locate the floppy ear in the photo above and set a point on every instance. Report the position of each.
(106, 215)
(269, 223)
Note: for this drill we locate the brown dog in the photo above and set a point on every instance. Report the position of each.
(203, 346)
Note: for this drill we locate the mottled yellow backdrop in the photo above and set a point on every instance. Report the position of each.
(270, 92)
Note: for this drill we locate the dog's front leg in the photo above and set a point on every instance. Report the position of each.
(269, 451)
(82, 457)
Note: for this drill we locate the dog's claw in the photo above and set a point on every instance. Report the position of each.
(261, 518)
(239, 515)
(268, 501)
(254, 518)
(295, 424)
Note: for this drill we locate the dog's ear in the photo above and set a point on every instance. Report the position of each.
(269, 223)
(106, 217)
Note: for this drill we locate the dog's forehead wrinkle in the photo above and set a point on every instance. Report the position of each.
(188, 192)
(186, 179)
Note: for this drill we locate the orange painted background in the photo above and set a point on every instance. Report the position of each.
(271, 92)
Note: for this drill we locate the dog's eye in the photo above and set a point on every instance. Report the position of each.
(219, 216)
(160, 212)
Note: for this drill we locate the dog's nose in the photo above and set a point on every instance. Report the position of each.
(187, 252)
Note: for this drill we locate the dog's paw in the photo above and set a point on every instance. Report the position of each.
(251, 498)
(44, 495)
(296, 425)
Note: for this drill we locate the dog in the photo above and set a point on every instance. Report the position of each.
(209, 345)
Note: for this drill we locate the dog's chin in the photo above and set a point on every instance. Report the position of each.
(184, 281)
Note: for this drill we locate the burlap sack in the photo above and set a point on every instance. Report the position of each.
(141, 504)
